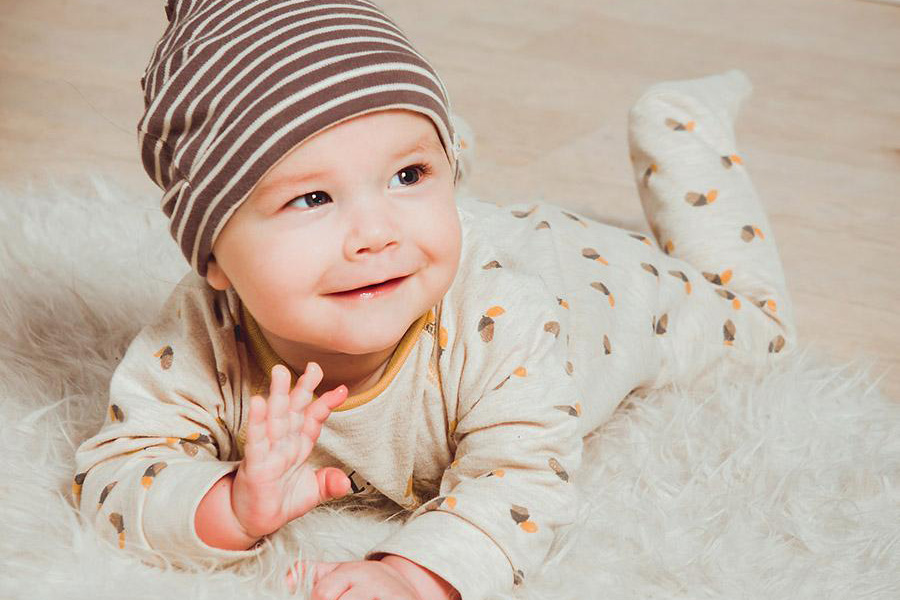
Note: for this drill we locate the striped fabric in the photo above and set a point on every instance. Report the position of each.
(233, 85)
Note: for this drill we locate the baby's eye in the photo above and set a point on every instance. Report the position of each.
(312, 198)
(410, 175)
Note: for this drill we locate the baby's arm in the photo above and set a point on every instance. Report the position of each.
(273, 484)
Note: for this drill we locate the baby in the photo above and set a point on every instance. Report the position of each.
(353, 327)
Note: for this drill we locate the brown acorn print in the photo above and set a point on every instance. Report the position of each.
(776, 344)
(486, 325)
(680, 275)
(641, 238)
(669, 248)
(165, 356)
(729, 330)
(574, 218)
(190, 444)
(558, 469)
(495, 473)
(518, 577)
(660, 326)
(542, 225)
(522, 214)
(223, 379)
(770, 304)
(76, 486)
(492, 265)
(552, 327)
(119, 523)
(695, 199)
(718, 279)
(572, 411)
(602, 288)
(520, 515)
(677, 126)
(151, 472)
(735, 301)
(500, 385)
(731, 159)
(607, 347)
(570, 368)
(115, 413)
(748, 232)
(650, 170)
(593, 255)
(650, 269)
(105, 493)
(562, 302)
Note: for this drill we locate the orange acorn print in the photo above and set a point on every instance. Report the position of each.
(492, 265)
(191, 444)
(520, 516)
(770, 304)
(572, 411)
(650, 170)
(680, 275)
(119, 523)
(542, 225)
(695, 199)
(486, 325)
(593, 255)
(522, 214)
(748, 232)
(729, 330)
(650, 269)
(731, 159)
(151, 472)
(115, 413)
(562, 302)
(641, 238)
(776, 344)
(677, 126)
(607, 347)
(717, 279)
(105, 493)
(659, 327)
(552, 327)
(735, 302)
(165, 356)
(521, 372)
(558, 469)
(76, 486)
(602, 288)
(495, 473)
(440, 501)
(669, 247)
(574, 218)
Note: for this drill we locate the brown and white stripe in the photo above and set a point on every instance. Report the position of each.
(233, 85)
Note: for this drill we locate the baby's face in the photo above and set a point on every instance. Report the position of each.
(367, 200)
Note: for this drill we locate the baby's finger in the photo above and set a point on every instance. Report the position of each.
(277, 419)
(257, 444)
(302, 394)
(318, 412)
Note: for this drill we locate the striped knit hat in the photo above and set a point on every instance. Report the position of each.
(233, 85)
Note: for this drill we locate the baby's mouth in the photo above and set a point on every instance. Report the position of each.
(373, 288)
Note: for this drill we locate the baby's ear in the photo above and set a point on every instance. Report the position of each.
(216, 276)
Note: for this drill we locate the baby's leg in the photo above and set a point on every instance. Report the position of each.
(729, 295)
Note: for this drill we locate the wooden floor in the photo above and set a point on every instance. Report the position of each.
(546, 85)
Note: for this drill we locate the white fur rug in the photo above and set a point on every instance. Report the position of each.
(786, 487)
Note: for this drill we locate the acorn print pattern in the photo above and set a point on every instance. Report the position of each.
(151, 472)
(678, 126)
(641, 238)
(574, 218)
(680, 275)
(77, 484)
(593, 255)
(165, 356)
(735, 302)
(119, 523)
(105, 493)
(728, 330)
(521, 516)
(486, 325)
(116, 414)
(191, 444)
(607, 346)
(659, 327)
(558, 469)
(650, 171)
(697, 199)
(732, 159)
(597, 285)
(574, 411)
(749, 232)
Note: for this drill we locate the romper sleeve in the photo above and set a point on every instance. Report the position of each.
(164, 441)
(507, 492)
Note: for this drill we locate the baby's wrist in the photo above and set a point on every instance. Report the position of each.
(215, 521)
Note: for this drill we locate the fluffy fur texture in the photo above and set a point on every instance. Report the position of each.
(782, 486)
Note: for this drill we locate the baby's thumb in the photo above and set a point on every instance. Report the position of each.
(333, 483)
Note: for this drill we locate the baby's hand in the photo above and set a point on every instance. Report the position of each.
(273, 484)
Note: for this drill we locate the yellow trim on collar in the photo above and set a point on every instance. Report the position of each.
(265, 357)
